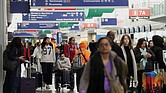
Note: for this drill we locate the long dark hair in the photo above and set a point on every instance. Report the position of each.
(16, 42)
(122, 41)
(140, 41)
(44, 43)
(149, 42)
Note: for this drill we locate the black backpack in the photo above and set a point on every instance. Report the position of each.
(8, 65)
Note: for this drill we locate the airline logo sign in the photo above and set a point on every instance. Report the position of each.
(139, 13)
(90, 25)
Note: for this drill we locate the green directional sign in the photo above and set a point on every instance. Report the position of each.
(67, 24)
(46, 32)
(90, 13)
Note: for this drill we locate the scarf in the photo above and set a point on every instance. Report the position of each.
(144, 60)
(133, 59)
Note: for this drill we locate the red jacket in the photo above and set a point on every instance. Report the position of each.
(69, 51)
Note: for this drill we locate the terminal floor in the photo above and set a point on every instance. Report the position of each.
(53, 90)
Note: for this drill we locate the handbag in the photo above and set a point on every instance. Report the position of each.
(149, 66)
(140, 66)
(114, 86)
(77, 62)
(9, 65)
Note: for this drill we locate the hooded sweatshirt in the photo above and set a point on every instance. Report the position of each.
(83, 46)
(157, 50)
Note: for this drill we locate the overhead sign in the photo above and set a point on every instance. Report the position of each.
(19, 6)
(37, 26)
(139, 13)
(75, 3)
(25, 34)
(74, 28)
(90, 25)
(108, 21)
(53, 16)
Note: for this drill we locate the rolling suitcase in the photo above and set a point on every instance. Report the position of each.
(28, 84)
(37, 74)
(152, 82)
(38, 79)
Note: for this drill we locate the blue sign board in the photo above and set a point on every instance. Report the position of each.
(75, 3)
(59, 37)
(108, 21)
(19, 6)
(74, 28)
(35, 26)
(53, 16)
(25, 34)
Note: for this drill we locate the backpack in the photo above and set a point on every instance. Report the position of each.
(8, 65)
(77, 62)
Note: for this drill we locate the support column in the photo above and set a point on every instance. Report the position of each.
(2, 39)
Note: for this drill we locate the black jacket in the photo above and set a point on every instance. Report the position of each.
(157, 50)
(138, 56)
(116, 48)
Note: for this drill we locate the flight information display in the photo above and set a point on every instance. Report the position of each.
(82, 3)
(53, 16)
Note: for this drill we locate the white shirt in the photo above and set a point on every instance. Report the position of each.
(48, 54)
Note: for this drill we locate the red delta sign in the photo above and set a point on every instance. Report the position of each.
(90, 25)
(139, 13)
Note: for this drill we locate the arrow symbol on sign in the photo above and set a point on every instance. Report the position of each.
(81, 14)
(24, 14)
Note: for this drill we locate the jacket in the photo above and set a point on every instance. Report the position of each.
(92, 82)
(139, 56)
(133, 60)
(83, 46)
(69, 51)
(157, 50)
(37, 52)
(116, 48)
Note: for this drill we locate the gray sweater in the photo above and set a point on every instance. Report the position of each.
(64, 64)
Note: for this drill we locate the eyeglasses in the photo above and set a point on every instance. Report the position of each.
(102, 44)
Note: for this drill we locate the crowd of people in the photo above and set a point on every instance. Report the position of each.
(104, 62)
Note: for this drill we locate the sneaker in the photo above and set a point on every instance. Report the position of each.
(47, 87)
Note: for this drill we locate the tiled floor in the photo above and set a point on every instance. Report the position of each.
(53, 90)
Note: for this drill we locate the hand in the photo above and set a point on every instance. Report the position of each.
(149, 55)
(146, 56)
(21, 58)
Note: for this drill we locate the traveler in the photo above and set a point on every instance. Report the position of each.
(115, 47)
(47, 60)
(70, 49)
(85, 54)
(145, 60)
(53, 42)
(95, 79)
(37, 55)
(157, 50)
(12, 79)
(127, 49)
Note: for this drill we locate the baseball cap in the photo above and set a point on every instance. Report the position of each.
(52, 39)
